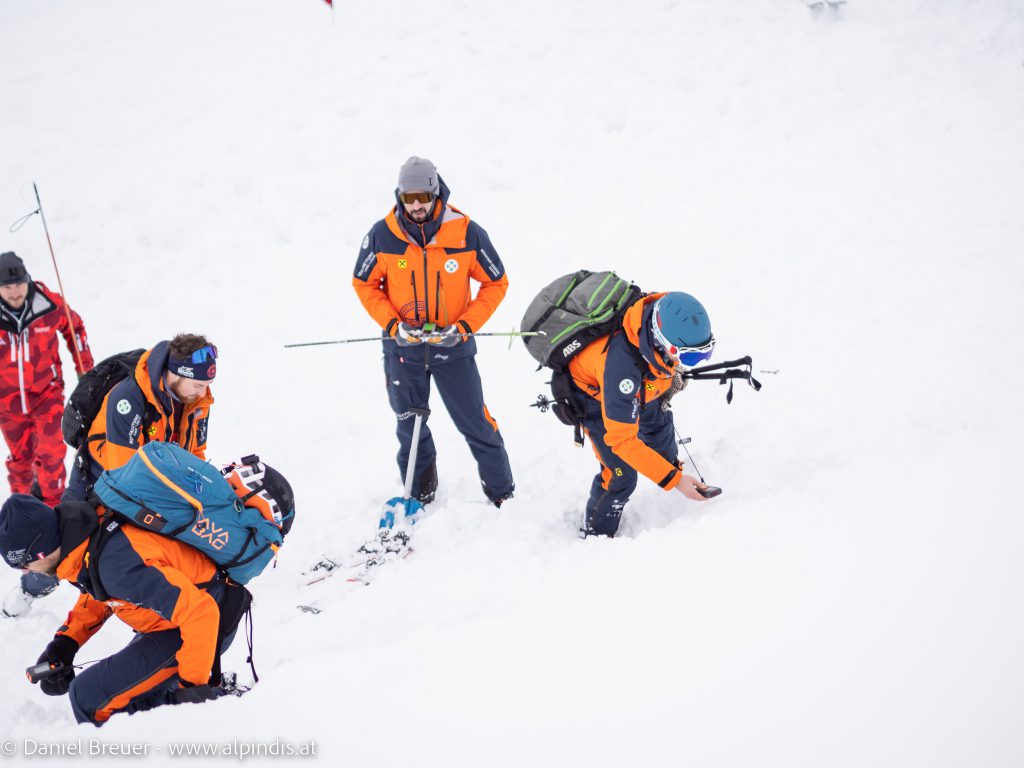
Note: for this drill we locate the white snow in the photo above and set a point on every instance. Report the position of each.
(842, 188)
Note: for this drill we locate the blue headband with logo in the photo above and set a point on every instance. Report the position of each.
(201, 364)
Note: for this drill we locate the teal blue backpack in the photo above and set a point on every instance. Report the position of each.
(239, 521)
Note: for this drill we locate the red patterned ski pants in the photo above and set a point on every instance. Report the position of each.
(36, 447)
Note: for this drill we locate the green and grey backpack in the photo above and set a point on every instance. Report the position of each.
(573, 311)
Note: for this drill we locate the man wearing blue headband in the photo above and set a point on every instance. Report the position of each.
(167, 399)
(622, 382)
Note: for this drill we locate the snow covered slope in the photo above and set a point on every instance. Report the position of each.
(841, 188)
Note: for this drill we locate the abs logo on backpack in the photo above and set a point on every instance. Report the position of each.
(568, 350)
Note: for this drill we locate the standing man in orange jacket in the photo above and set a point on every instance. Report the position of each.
(413, 277)
(167, 399)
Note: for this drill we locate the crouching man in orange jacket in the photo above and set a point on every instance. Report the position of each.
(183, 610)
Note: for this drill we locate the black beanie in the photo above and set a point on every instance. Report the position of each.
(12, 269)
(29, 530)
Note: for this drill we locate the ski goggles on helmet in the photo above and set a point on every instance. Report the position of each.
(688, 356)
(201, 364)
(416, 197)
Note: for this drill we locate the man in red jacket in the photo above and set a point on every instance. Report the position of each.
(32, 387)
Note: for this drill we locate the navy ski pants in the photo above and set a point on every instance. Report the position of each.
(615, 483)
(458, 382)
(141, 676)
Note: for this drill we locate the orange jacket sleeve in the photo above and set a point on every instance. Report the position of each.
(621, 382)
(490, 273)
(624, 440)
(369, 282)
(85, 619)
(121, 420)
(486, 301)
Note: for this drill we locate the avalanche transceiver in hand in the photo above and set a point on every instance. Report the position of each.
(43, 671)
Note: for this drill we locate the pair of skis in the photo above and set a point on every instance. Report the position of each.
(389, 545)
(391, 541)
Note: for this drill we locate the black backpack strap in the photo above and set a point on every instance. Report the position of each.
(108, 525)
(235, 603)
(566, 403)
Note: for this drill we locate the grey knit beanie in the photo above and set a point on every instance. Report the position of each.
(418, 175)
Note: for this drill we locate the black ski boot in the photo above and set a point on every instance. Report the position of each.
(427, 483)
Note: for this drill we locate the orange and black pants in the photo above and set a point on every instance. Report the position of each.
(141, 676)
(458, 382)
(615, 483)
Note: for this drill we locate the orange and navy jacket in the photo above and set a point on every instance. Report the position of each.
(140, 409)
(411, 273)
(153, 583)
(626, 373)
(29, 352)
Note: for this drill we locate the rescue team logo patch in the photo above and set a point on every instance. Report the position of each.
(366, 242)
(403, 263)
(413, 313)
(451, 266)
(626, 386)
(124, 407)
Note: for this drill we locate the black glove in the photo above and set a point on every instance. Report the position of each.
(61, 650)
(194, 694)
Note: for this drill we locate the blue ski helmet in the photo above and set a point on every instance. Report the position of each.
(681, 328)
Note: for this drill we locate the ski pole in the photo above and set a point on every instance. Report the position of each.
(510, 334)
(60, 283)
